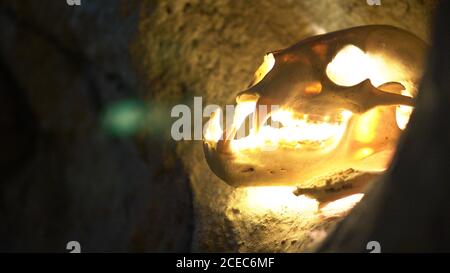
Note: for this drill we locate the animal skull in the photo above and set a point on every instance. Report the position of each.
(341, 98)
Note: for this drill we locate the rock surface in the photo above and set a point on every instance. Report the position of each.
(72, 180)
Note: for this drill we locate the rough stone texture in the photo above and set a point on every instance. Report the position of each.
(407, 210)
(63, 178)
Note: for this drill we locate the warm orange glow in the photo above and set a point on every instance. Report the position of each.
(264, 68)
(319, 128)
(213, 130)
(366, 125)
(281, 199)
(349, 67)
(342, 205)
(296, 132)
(313, 88)
(363, 153)
(242, 111)
(276, 199)
(352, 66)
(403, 112)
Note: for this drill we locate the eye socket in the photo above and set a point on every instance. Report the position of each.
(350, 66)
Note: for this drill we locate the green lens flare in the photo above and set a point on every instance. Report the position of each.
(124, 118)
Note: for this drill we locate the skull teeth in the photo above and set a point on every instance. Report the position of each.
(299, 131)
(320, 119)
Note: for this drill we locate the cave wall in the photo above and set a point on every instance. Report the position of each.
(65, 178)
(64, 66)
